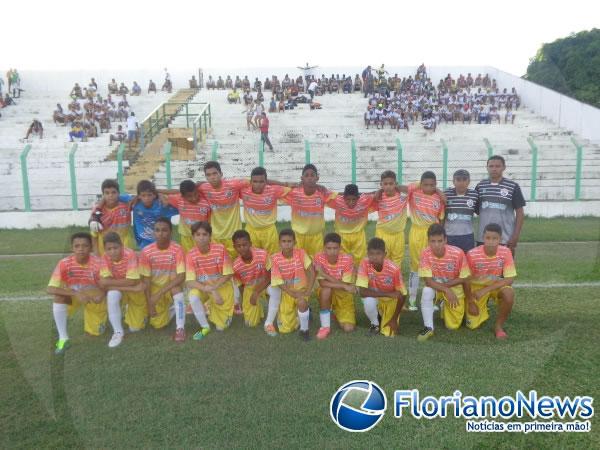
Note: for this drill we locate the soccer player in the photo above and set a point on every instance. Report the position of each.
(252, 272)
(120, 276)
(308, 205)
(74, 282)
(391, 217)
(462, 203)
(335, 273)
(351, 216)
(292, 270)
(192, 208)
(260, 210)
(162, 267)
(380, 285)
(492, 275)
(426, 204)
(208, 275)
(445, 271)
(111, 216)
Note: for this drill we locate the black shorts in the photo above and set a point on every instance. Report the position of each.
(465, 242)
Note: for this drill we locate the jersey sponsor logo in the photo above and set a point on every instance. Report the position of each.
(268, 200)
(493, 205)
(450, 266)
(503, 192)
(470, 203)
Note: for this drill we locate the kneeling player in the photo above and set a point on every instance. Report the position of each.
(292, 270)
(335, 272)
(162, 267)
(381, 288)
(208, 275)
(74, 282)
(492, 275)
(251, 271)
(445, 271)
(120, 276)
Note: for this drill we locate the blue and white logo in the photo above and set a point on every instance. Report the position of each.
(358, 406)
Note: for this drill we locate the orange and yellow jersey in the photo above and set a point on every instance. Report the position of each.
(69, 274)
(260, 210)
(161, 265)
(117, 219)
(425, 209)
(126, 268)
(342, 270)
(290, 272)
(225, 206)
(249, 274)
(189, 213)
(207, 267)
(486, 270)
(391, 212)
(351, 220)
(308, 210)
(449, 267)
(389, 279)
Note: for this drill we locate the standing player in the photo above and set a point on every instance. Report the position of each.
(461, 204)
(351, 216)
(445, 271)
(381, 288)
(292, 270)
(120, 276)
(75, 282)
(492, 275)
(208, 275)
(335, 273)
(426, 205)
(162, 267)
(308, 206)
(252, 272)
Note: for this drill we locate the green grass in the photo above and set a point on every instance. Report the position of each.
(56, 240)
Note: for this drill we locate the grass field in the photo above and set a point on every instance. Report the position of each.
(242, 389)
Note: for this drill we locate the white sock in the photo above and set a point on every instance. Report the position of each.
(236, 293)
(427, 297)
(178, 302)
(413, 286)
(325, 316)
(115, 316)
(60, 319)
(303, 316)
(199, 311)
(273, 308)
(370, 304)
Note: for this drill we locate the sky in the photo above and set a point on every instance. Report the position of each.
(74, 35)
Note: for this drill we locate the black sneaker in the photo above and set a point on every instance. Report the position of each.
(374, 330)
(304, 335)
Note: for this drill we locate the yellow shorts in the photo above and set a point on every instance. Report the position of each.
(453, 317)
(219, 315)
(287, 317)
(417, 242)
(386, 307)
(394, 245)
(474, 322)
(228, 245)
(253, 314)
(310, 243)
(355, 244)
(127, 241)
(164, 312)
(94, 315)
(342, 304)
(187, 242)
(265, 238)
(136, 309)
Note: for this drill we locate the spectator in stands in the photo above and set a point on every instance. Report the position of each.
(58, 116)
(264, 130)
(272, 105)
(15, 84)
(132, 129)
(167, 85)
(234, 96)
(1, 85)
(123, 90)
(36, 127)
(194, 82)
(9, 78)
(509, 116)
(312, 88)
(151, 87)
(113, 88)
(136, 89)
(76, 132)
(93, 86)
(119, 136)
(8, 101)
(76, 92)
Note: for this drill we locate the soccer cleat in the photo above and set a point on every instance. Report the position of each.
(412, 305)
(425, 334)
(374, 330)
(237, 309)
(271, 330)
(201, 333)
(179, 335)
(304, 335)
(61, 346)
(323, 332)
(115, 340)
(501, 334)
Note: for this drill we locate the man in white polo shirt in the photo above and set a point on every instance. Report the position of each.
(132, 129)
